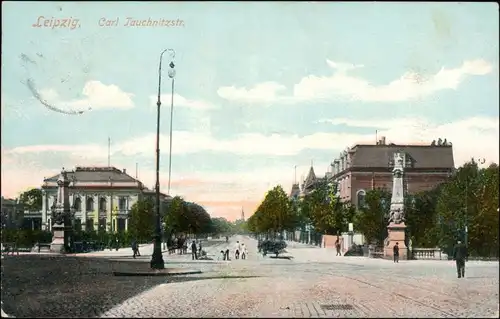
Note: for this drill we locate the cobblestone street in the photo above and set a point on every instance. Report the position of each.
(315, 283)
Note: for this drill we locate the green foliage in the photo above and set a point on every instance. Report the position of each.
(324, 210)
(32, 199)
(221, 226)
(371, 219)
(25, 238)
(142, 220)
(185, 217)
(274, 214)
(469, 199)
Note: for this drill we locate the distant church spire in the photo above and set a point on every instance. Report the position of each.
(242, 214)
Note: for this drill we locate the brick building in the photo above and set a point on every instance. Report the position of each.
(366, 167)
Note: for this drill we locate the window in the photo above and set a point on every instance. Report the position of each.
(122, 202)
(90, 204)
(361, 198)
(78, 204)
(102, 204)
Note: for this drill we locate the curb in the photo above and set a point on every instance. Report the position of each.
(158, 273)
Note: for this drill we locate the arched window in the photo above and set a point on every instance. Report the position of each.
(102, 204)
(90, 204)
(360, 196)
(78, 204)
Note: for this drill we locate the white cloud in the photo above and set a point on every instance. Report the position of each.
(97, 96)
(263, 92)
(224, 192)
(342, 86)
(182, 102)
(471, 137)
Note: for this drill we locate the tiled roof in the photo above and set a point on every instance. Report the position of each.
(422, 156)
(96, 174)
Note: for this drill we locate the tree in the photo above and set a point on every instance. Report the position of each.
(32, 199)
(273, 214)
(470, 201)
(420, 212)
(371, 220)
(142, 220)
(186, 217)
(221, 226)
(325, 211)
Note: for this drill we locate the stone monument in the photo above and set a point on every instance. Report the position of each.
(61, 215)
(396, 228)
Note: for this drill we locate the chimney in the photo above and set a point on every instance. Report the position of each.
(124, 171)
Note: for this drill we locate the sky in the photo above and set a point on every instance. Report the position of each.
(260, 88)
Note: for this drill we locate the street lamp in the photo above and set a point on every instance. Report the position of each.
(157, 257)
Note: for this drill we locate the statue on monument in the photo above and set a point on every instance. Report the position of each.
(397, 216)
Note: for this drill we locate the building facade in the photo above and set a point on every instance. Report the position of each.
(100, 197)
(11, 214)
(367, 167)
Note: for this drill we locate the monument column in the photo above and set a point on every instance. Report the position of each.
(61, 216)
(397, 228)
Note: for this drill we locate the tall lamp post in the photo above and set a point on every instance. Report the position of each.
(157, 257)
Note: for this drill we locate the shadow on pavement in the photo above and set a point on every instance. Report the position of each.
(61, 286)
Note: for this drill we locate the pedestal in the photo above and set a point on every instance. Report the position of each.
(396, 234)
(58, 244)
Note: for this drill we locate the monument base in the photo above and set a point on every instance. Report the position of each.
(396, 234)
(58, 243)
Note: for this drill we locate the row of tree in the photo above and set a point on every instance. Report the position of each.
(177, 217)
(465, 207)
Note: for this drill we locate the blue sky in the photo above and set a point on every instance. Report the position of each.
(259, 88)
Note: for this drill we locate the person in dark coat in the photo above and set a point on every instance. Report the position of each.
(194, 251)
(337, 247)
(395, 251)
(460, 256)
(134, 248)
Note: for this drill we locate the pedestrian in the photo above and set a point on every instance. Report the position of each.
(227, 254)
(227, 238)
(117, 244)
(395, 252)
(199, 248)
(460, 256)
(237, 250)
(194, 251)
(337, 247)
(243, 251)
(110, 244)
(134, 248)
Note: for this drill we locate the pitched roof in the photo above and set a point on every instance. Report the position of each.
(96, 174)
(310, 179)
(423, 156)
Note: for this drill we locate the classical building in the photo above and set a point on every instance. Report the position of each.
(100, 197)
(366, 167)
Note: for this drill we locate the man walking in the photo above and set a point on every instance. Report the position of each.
(194, 252)
(134, 248)
(460, 256)
(237, 250)
(337, 247)
(395, 252)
